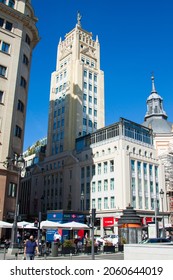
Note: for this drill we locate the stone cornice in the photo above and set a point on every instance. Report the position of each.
(26, 20)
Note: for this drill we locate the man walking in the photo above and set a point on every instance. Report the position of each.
(31, 248)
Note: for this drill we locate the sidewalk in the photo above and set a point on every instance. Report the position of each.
(81, 256)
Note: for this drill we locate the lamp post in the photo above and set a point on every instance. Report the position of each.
(18, 164)
(156, 214)
(82, 200)
(163, 218)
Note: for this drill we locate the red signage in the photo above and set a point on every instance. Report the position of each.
(108, 221)
(147, 220)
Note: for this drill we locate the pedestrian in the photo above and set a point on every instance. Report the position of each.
(31, 248)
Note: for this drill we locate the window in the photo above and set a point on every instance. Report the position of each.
(90, 87)
(8, 25)
(99, 168)
(90, 99)
(82, 172)
(90, 111)
(111, 165)
(95, 78)
(105, 185)
(27, 39)
(3, 1)
(11, 3)
(1, 96)
(84, 121)
(95, 89)
(99, 203)
(93, 170)
(90, 123)
(20, 106)
(1, 22)
(18, 131)
(85, 73)
(12, 188)
(23, 82)
(85, 97)
(88, 171)
(85, 85)
(95, 101)
(105, 167)
(3, 71)
(95, 113)
(112, 202)
(112, 184)
(99, 186)
(90, 76)
(95, 125)
(5, 47)
(106, 203)
(25, 60)
(54, 114)
(150, 170)
(88, 188)
(84, 109)
(145, 168)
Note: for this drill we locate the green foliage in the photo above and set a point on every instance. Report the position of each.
(68, 243)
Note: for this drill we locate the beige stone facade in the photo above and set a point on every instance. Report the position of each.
(18, 37)
(76, 91)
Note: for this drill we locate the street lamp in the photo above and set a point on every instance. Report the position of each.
(162, 196)
(82, 200)
(18, 165)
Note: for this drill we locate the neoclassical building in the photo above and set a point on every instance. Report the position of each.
(18, 37)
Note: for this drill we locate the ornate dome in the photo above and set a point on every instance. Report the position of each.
(156, 117)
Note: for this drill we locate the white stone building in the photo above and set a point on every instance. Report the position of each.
(18, 37)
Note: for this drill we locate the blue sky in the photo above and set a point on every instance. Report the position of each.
(136, 39)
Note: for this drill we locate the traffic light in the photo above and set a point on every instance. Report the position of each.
(36, 223)
(88, 220)
(93, 216)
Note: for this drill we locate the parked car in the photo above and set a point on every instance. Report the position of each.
(156, 240)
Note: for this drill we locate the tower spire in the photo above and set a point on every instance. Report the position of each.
(153, 85)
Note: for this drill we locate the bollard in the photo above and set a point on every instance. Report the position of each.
(4, 252)
(16, 255)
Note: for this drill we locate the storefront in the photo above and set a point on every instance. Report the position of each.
(65, 217)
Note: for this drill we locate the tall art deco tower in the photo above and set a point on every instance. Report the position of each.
(76, 92)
